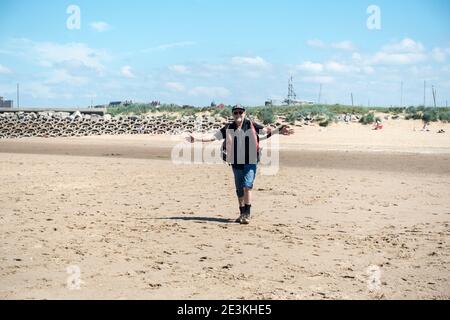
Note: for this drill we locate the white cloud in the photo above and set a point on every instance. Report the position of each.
(38, 90)
(331, 66)
(63, 76)
(127, 72)
(407, 45)
(318, 79)
(175, 86)
(72, 54)
(100, 26)
(334, 66)
(356, 56)
(4, 70)
(72, 65)
(212, 70)
(344, 45)
(310, 67)
(368, 70)
(215, 67)
(179, 69)
(422, 71)
(397, 58)
(211, 92)
(253, 62)
(167, 46)
(439, 54)
(404, 52)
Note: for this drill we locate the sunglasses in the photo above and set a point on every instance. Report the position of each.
(238, 112)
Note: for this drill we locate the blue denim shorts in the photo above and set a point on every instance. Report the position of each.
(244, 178)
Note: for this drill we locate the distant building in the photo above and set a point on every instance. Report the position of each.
(273, 103)
(6, 103)
(287, 102)
(120, 103)
(295, 102)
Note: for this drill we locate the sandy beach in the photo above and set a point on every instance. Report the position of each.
(352, 214)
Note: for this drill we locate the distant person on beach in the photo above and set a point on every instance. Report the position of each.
(347, 118)
(378, 125)
(241, 150)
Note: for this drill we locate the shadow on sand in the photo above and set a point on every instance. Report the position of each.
(200, 219)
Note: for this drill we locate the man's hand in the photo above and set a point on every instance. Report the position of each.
(286, 131)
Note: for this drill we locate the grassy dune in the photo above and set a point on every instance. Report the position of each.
(322, 114)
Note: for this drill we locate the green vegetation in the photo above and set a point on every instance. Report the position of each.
(291, 117)
(138, 108)
(324, 115)
(444, 116)
(130, 109)
(266, 115)
(367, 118)
(327, 118)
(427, 114)
(224, 113)
(430, 115)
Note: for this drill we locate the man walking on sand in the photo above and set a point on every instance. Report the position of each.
(241, 150)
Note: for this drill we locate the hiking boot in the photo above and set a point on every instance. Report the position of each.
(242, 210)
(245, 219)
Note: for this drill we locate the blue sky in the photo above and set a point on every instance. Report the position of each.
(197, 51)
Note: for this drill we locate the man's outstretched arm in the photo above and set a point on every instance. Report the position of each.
(219, 135)
(192, 139)
(268, 132)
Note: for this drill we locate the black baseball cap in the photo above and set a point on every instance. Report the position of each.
(237, 107)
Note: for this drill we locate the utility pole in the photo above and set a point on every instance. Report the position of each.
(320, 93)
(425, 93)
(401, 94)
(351, 95)
(368, 94)
(18, 104)
(433, 91)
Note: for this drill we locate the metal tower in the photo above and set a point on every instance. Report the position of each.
(291, 93)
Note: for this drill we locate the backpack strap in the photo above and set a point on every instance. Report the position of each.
(224, 145)
(255, 135)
